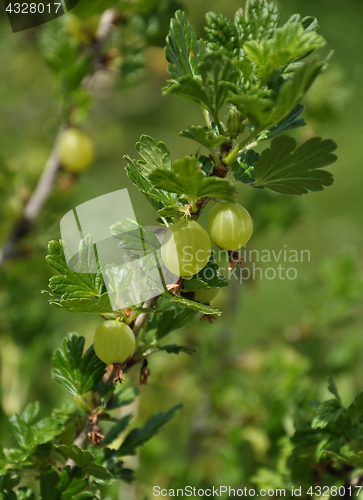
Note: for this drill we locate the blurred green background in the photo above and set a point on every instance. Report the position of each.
(277, 341)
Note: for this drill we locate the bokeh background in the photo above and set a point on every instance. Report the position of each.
(277, 340)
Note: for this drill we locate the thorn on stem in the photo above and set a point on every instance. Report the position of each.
(175, 288)
(144, 373)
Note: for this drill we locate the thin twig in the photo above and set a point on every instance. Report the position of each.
(143, 317)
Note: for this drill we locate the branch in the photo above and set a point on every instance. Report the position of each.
(48, 177)
(143, 317)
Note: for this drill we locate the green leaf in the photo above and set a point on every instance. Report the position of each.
(30, 434)
(84, 460)
(154, 155)
(333, 388)
(188, 179)
(183, 302)
(182, 50)
(221, 34)
(177, 349)
(172, 211)
(356, 408)
(135, 236)
(285, 169)
(70, 485)
(207, 278)
(123, 397)
(74, 372)
(82, 305)
(327, 413)
(171, 319)
(48, 484)
(217, 73)
(25, 493)
(264, 110)
(257, 21)
(73, 291)
(210, 89)
(138, 437)
(118, 278)
(206, 138)
(289, 42)
(246, 162)
(289, 122)
(116, 429)
(70, 66)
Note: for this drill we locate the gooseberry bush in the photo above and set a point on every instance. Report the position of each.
(248, 77)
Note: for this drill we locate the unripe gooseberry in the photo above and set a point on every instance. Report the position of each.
(186, 248)
(114, 342)
(75, 150)
(229, 225)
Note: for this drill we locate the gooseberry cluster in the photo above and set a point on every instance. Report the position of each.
(185, 251)
(187, 247)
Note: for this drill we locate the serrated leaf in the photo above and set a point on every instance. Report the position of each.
(264, 111)
(74, 372)
(327, 413)
(188, 179)
(217, 74)
(30, 434)
(172, 319)
(122, 397)
(116, 429)
(290, 122)
(138, 437)
(48, 482)
(257, 21)
(154, 155)
(177, 349)
(182, 50)
(207, 278)
(70, 485)
(157, 198)
(172, 211)
(135, 236)
(101, 305)
(221, 34)
(246, 162)
(287, 43)
(285, 169)
(119, 279)
(206, 138)
(210, 88)
(84, 460)
(77, 291)
(183, 302)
